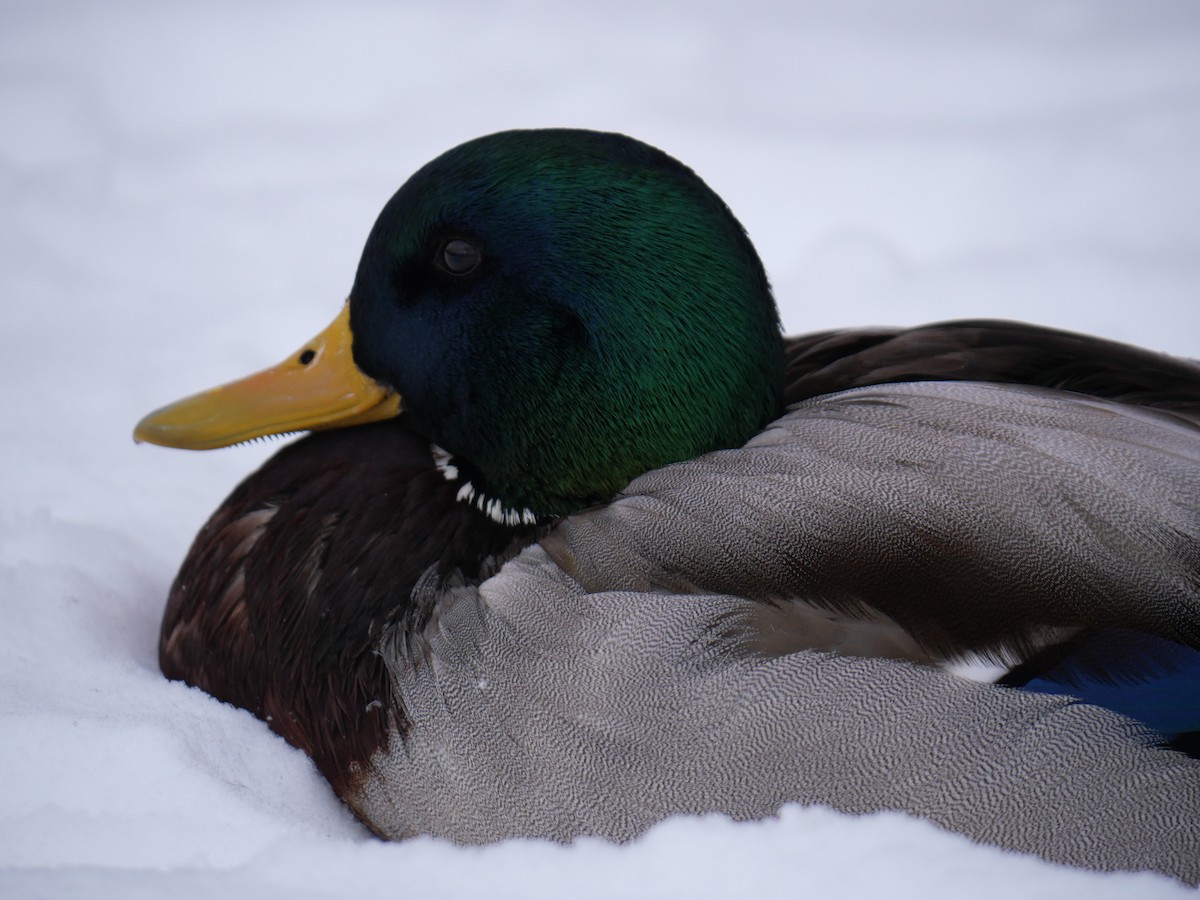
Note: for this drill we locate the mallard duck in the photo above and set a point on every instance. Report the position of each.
(578, 542)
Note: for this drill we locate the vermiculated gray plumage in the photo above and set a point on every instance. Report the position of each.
(620, 672)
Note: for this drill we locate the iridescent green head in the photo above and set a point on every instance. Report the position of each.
(563, 310)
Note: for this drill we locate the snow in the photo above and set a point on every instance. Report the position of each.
(185, 192)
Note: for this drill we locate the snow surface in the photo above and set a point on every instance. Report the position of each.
(185, 190)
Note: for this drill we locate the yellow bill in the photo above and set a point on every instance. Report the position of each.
(318, 386)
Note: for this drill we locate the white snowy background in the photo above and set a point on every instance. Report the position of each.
(184, 190)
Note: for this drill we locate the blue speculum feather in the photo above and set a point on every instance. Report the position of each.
(1145, 677)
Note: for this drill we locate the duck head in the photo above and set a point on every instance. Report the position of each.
(559, 310)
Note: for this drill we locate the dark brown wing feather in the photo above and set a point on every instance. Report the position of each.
(998, 352)
(993, 351)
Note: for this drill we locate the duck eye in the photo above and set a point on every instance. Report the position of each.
(458, 257)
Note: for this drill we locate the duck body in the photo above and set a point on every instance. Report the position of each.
(476, 639)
